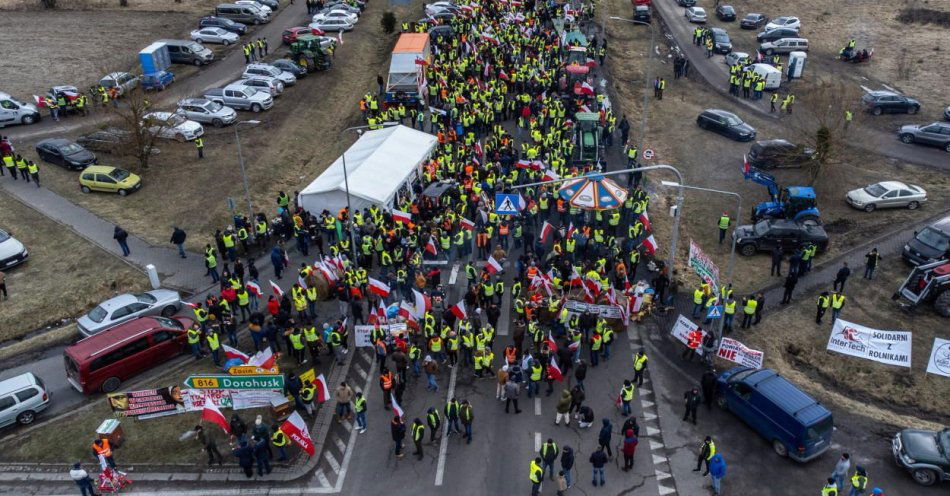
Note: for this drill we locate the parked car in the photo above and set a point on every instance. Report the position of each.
(122, 81)
(21, 398)
(13, 111)
(733, 58)
(12, 251)
(157, 81)
(887, 194)
(768, 154)
(796, 425)
(106, 140)
(787, 22)
(128, 306)
(784, 46)
(333, 25)
(925, 454)
(238, 96)
(188, 52)
(169, 125)
(246, 14)
(721, 41)
(206, 111)
(221, 22)
(935, 134)
(267, 70)
(102, 362)
(686, 3)
(931, 244)
(437, 7)
(290, 34)
(108, 179)
(725, 13)
(214, 35)
(290, 66)
(946, 113)
(335, 14)
(753, 20)
(776, 34)
(65, 153)
(443, 17)
(273, 4)
(788, 235)
(726, 124)
(696, 14)
(268, 84)
(345, 6)
(642, 13)
(269, 12)
(888, 102)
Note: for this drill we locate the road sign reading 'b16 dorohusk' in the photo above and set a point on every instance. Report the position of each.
(703, 265)
(235, 382)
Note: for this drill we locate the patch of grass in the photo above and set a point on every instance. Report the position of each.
(917, 15)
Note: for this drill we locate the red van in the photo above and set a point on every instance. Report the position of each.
(102, 361)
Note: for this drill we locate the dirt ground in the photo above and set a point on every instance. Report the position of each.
(191, 6)
(792, 341)
(87, 43)
(64, 277)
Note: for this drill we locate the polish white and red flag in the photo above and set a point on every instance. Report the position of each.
(396, 408)
(402, 217)
(190, 304)
(276, 288)
(296, 429)
(650, 244)
(546, 230)
(430, 246)
(381, 311)
(39, 101)
(574, 345)
(212, 414)
(552, 344)
(232, 353)
(554, 371)
(570, 231)
(378, 287)
(422, 304)
(745, 164)
(458, 310)
(493, 266)
(645, 220)
(323, 392)
(265, 359)
(478, 148)
(550, 175)
(407, 311)
(586, 89)
(327, 273)
(466, 224)
(302, 282)
(254, 288)
(575, 279)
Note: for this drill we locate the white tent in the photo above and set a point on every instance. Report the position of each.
(378, 165)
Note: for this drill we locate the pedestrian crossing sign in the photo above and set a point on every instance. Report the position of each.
(715, 312)
(506, 204)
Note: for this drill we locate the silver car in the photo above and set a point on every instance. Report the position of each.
(268, 70)
(21, 398)
(332, 25)
(887, 194)
(696, 14)
(263, 83)
(122, 308)
(206, 111)
(214, 35)
(733, 58)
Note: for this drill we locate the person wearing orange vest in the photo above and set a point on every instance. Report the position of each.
(102, 450)
(693, 340)
(386, 382)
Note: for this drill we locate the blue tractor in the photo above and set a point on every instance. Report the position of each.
(793, 202)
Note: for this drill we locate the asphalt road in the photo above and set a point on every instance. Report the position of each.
(219, 72)
(716, 73)
(49, 367)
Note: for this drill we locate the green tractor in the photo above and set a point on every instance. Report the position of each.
(587, 146)
(308, 52)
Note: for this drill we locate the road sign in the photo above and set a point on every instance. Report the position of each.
(715, 312)
(235, 382)
(246, 370)
(506, 204)
(648, 154)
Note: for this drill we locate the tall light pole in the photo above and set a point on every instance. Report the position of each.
(346, 180)
(679, 200)
(247, 190)
(732, 254)
(646, 77)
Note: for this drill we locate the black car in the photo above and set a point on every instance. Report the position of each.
(776, 34)
(753, 21)
(726, 13)
(686, 3)
(106, 140)
(930, 244)
(726, 124)
(925, 454)
(888, 102)
(65, 153)
(768, 154)
(721, 42)
(788, 235)
(225, 24)
(641, 13)
(290, 66)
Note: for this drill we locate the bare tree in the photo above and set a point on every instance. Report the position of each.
(820, 122)
(139, 133)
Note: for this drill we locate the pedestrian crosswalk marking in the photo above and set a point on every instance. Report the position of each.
(339, 442)
(360, 370)
(649, 416)
(661, 475)
(666, 490)
(537, 441)
(657, 459)
(644, 391)
(348, 426)
(537, 405)
(335, 465)
(652, 431)
(322, 477)
(646, 403)
(655, 445)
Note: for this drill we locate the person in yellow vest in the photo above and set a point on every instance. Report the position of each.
(418, 434)
(830, 488)
(706, 452)
(699, 301)
(34, 171)
(859, 481)
(723, 226)
(729, 313)
(824, 301)
(307, 394)
(837, 303)
(280, 441)
(214, 344)
(194, 339)
(639, 366)
(748, 309)
(296, 345)
(626, 396)
(200, 146)
(536, 475)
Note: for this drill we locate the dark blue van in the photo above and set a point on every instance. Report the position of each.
(797, 426)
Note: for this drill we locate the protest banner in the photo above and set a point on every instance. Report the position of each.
(362, 333)
(939, 358)
(605, 311)
(681, 330)
(253, 398)
(149, 402)
(890, 347)
(703, 265)
(736, 352)
(195, 399)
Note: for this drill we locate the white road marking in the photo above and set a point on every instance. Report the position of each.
(666, 490)
(537, 406)
(335, 465)
(644, 391)
(348, 426)
(648, 416)
(661, 475)
(444, 443)
(646, 404)
(339, 442)
(537, 441)
(359, 370)
(322, 477)
(652, 431)
(455, 274)
(655, 445)
(657, 459)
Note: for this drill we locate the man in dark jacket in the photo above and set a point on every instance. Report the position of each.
(567, 463)
(603, 438)
(692, 400)
(262, 455)
(777, 255)
(178, 239)
(121, 237)
(398, 430)
(708, 383)
(245, 456)
(841, 277)
(790, 283)
(599, 460)
(580, 373)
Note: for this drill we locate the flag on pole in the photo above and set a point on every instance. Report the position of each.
(549, 175)
(546, 230)
(645, 220)
(276, 288)
(254, 288)
(339, 39)
(231, 353)
(396, 408)
(466, 224)
(323, 392)
(478, 148)
(264, 359)
(570, 231)
(430, 246)
(296, 429)
(458, 310)
(552, 344)
(745, 164)
(423, 304)
(190, 304)
(407, 311)
(650, 244)
(493, 266)
(212, 414)
(574, 345)
(586, 89)
(378, 287)
(381, 311)
(402, 217)
(554, 371)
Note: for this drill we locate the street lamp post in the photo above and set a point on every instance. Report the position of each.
(646, 77)
(247, 190)
(732, 254)
(679, 200)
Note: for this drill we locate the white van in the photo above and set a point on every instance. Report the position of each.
(13, 111)
(21, 398)
(771, 75)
